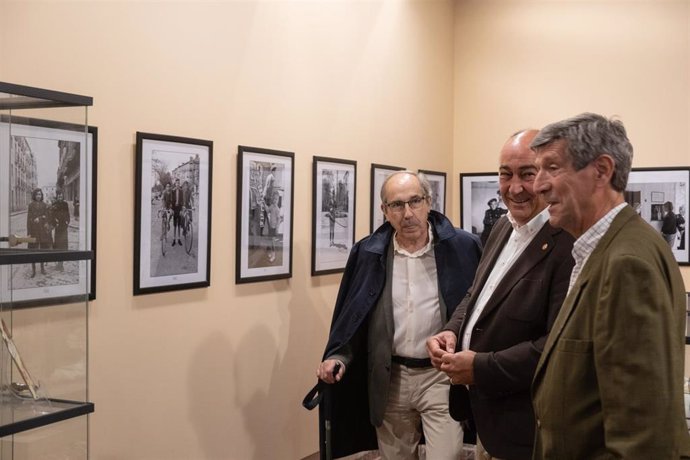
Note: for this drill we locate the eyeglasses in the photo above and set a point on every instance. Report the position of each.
(415, 202)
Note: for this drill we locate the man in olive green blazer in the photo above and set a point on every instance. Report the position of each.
(609, 383)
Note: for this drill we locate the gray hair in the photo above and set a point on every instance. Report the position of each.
(588, 136)
(423, 182)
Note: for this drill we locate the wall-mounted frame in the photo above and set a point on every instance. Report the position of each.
(687, 319)
(64, 159)
(334, 183)
(477, 193)
(172, 230)
(378, 175)
(437, 181)
(265, 188)
(646, 186)
(657, 197)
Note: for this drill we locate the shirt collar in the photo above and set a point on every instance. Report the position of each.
(418, 253)
(588, 241)
(530, 228)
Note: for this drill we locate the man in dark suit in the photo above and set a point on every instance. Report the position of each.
(501, 326)
(400, 285)
(609, 383)
(177, 196)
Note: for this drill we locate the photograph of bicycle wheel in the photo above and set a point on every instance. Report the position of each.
(174, 198)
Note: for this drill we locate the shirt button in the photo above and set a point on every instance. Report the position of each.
(538, 423)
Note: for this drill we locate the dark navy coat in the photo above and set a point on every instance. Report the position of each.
(457, 255)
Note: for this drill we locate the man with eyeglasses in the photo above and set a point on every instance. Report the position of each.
(401, 284)
(491, 345)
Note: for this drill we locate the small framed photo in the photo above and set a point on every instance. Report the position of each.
(481, 204)
(333, 219)
(437, 181)
(687, 320)
(378, 175)
(660, 197)
(265, 189)
(172, 241)
(51, 167)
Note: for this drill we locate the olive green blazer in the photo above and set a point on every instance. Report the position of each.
(609, 383)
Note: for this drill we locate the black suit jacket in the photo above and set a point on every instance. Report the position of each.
(510, 334)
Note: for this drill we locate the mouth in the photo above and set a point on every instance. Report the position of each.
(520, 202)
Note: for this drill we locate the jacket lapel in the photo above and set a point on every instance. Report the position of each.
(571, 301)
(503, 229)
(540, 246)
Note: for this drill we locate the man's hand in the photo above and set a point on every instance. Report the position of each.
(459, 367)
(325, 371)
(439, 345)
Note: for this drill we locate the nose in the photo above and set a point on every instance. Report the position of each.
(516, 187)
(408, 210)
(540, 182)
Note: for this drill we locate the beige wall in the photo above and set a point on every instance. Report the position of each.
(219, 373)
(523, 64)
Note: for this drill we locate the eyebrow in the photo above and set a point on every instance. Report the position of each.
(521, 168)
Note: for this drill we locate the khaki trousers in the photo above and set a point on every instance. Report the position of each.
(418, 397)
(481, 454)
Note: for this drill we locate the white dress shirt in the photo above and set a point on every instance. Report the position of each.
(520, 238)
(416, 308)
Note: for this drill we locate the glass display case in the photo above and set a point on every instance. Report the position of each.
(46, 262)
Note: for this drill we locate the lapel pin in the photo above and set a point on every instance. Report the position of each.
(544, 246)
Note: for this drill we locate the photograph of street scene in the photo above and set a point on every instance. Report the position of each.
(266, 214)
(333, 215)
(174, 213)
(45, 196)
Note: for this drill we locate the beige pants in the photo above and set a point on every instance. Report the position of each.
(418, 397)
(481, 454)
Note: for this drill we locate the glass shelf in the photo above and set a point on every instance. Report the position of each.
(20, 414)
(14, 97)
(27, 256)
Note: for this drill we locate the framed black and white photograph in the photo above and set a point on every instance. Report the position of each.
(264, 214)
(172, 240)
(481, 204)
(437, 182)
(660, 197)
(687, 319)
(378, 175)
(51, 176)
(333, 220)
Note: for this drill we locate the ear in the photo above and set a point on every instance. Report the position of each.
(604, 166)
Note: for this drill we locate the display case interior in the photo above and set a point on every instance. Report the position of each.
(46, 257)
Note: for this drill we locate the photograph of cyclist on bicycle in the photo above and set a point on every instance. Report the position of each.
(177, 203)
(174, 195)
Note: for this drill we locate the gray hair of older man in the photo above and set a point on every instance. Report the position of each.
(423, 182)
(588, 136)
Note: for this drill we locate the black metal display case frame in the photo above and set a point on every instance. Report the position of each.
(20, 412)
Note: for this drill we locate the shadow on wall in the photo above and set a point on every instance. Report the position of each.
(256, 386)
(209, 382)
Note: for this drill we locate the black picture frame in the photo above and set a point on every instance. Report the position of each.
(265, 191)
(173, 191)
(437, 181)
(687, 319)
(649, 189)
(379, 173)
(476, 190)
(334, 186)
(68, 157)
